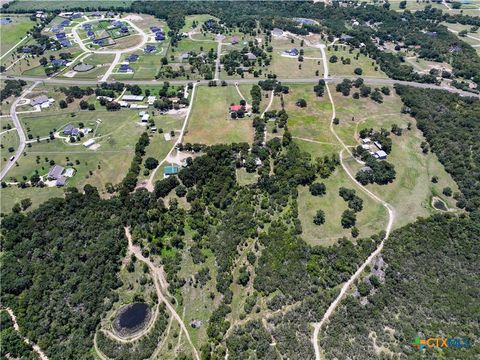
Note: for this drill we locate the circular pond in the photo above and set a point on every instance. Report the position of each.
(131, 318)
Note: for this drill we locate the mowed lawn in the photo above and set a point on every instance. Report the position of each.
(210, 121)
(9, 141)
(12, 33)
(412, 190)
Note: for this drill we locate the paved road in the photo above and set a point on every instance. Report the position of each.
(21, 133)
(314, 80)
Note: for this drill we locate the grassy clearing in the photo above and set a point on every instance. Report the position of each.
(313, 121)
(147, 66)
(197, 303)
(200, 19)
(210, 122)
(370, 220)
(12, 33)
(12, 195)
(187, 45)
(411, 192)
(363, 62)
(9, 141)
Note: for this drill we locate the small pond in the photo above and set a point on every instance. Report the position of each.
(132, 318)
(439, 204)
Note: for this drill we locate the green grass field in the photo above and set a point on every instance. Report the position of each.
(210, 122)
(9, 141)
(117, 133)
(370, 220)
(200, 19)
(411, 192)
(12, 33)
(12, 195)
(187, 45)
(363, 62)
(311, 122)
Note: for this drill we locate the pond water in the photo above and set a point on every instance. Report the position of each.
(439, 205)
(132, 317)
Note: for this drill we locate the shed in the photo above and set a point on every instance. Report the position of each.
(366, 140)
(145, 117)
(132, 98)
(89, 143)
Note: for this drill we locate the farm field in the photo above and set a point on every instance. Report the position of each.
(210, 122)
(12, 33)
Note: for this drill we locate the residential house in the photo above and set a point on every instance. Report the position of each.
(68, 129)
(151, 100)
(292, 52)
(132, 58)
(55, 172)
(380, 155)
(150, 49)
(39, 100)
(59, 62)
(235, 108)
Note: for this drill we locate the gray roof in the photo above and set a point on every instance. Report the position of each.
(39, 100)
(61, 181)
(55, 172)
(251, 56)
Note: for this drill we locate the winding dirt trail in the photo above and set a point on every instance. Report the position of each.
(263, 115)
(161, 286)
(388, 207)
(34, 346)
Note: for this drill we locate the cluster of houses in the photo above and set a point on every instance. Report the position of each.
(61, 37)
(375, 149)
(60, 175)
(159, 33)
(89, 30)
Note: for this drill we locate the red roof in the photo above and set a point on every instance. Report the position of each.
(235, 107)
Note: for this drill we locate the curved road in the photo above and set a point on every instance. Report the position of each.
(21, 133)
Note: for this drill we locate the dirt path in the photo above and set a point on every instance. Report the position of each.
(99, 352)
(388, 207)
(149, 185)
(161, 286)
(263, 115)
(34, 346)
